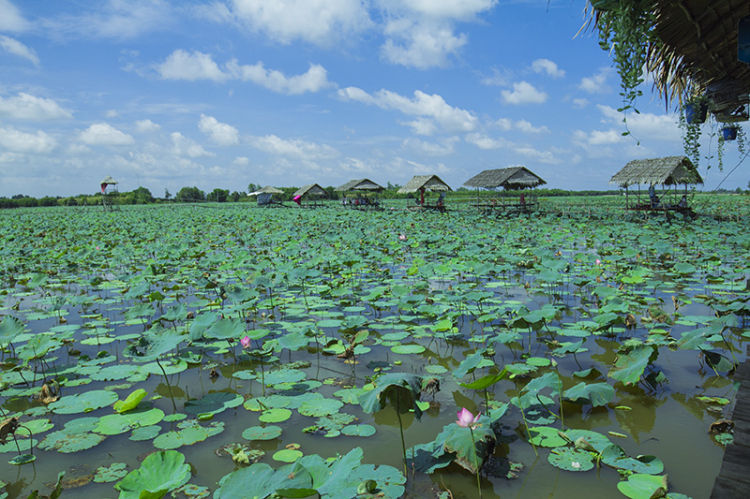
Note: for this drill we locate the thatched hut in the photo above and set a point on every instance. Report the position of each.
(106, 182)
(265, 196)
(309, 190)
(107, 193)
(670, 171)
(360, 186)
(514, 178)
(699, 50)
(422, 183)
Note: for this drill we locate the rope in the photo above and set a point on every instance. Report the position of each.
(731, 171)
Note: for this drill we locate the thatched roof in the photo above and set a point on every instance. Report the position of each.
(108, 181)
(667, 171)
(517, 177)
(427, 182)
(311, 189)
(362, 184)
(698, 52)
(267, 190)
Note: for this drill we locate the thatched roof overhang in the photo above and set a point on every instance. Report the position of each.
(514, 178)
(267, 190)
(671, 170)
(312, 190)
(426, 182)
(108, 181)
(362, 184)
(698, 53)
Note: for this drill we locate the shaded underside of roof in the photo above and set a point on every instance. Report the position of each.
(267, 190)
(517, 177)
(670, 170)
(312, 190)
(698, 52)
(362, 184)
(108, 181)
(427, 182)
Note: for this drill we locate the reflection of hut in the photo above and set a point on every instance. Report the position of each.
(309, 190)
(511, 179)
(360, 186)
(109, 188)
(424, 183)
(670, 171)
(265, 196)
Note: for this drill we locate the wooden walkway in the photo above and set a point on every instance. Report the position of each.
(733, 481)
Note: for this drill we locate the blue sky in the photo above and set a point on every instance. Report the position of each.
(165, 94)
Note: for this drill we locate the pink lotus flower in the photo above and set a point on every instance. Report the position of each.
(245, 342)
(402, 237)
(466, 419)
(598, 262)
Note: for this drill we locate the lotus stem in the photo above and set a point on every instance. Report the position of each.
(401, 428)
(476, 461)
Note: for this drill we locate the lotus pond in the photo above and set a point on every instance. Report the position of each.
(231, 351)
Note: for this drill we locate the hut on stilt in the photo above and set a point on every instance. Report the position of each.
(364, 190)
(422, 183)
(516, 178)
(310, 191)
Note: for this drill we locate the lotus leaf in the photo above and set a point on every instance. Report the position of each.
(111, 473)
(320, 407)
(613, 455)
(630, 366)
(571, 459)
(640, 486)
(83, 402)
(275, 415)
(400, 390)
(159, 473)
(213, 403)
(115, 424)
(131, 402)
(596, 394)
(261, 433)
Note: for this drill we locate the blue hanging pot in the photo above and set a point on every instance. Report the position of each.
(729, 132)
(695, 113)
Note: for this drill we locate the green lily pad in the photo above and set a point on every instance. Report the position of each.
(261, 433)
(22, 459)
(287, 455)
(111, 473)
(644, 486)
(275, 415)
(83, 402)
(320, 407)
(571, 459)
(360, 430)
(213, 403)
(159, 473)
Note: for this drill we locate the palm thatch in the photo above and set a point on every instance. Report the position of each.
(362, 184)
(697, 53)
(424, 182)
(312, 190)
(267, 190)
(671, 170)
(108, 181)
(514, 178)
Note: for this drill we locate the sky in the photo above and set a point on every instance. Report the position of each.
(165, 94)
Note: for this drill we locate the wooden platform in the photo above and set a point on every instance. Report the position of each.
(733, 481)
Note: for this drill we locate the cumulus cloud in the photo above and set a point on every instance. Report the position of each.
(220, 133)
(507, 124)
(541, 156)
(181, 65)
(293, 148)
(441, 148)
(320, 22)
(22, 142)
(11, 18)
(241, 161)
(27, 107)
(523, 93)
(146, 126)
(482, 141)
(15, 47)
(119, 19)
(423, 105)
(547, 66)
(104, 134)
(596, 84)
(183, 146)
(420, 45)
(499, 78)
(662, 127)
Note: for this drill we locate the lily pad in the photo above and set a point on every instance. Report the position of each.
(261, 433)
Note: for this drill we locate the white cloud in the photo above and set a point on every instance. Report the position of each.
(527, 127)
(293, 148)
(523, 93)
(183, 146)
(314, 80)
(499, 78)
(27, 107)
(320, 22)
(596, 84)
(146, 126)
(241, 161)
(663, 127)
(21, 142)
(453, 9)
(196, 66)
(15, 47)
(421, 126)
(443, 148)
(104, 134)
(11, 18)
(220, 133)
(547, 66)
(482, 141)
(540, 156)
(180, 65)
(423, 105)
(111, 113)
(580, 103)
(504, 124)
(120, 19)
(421, 44)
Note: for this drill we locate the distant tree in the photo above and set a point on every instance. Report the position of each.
(47, 201)
(26, 202)
(253, 187)
(167, 195)
(190, 195)
(218, 195)
(19, 196)
(143, 196)
(236, 196)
